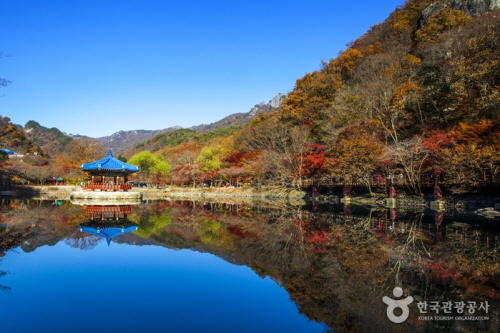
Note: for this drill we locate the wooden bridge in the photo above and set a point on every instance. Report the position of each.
(399, 181)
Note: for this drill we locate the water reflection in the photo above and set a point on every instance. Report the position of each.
(108, 221)
(336, 262)
(108, 230)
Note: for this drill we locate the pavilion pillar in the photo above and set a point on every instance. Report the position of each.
(392, 214)
(92, 180)
(438, 195)
(347, 210)
(438, 218)
(391, 201)
(346, 194)
(392, 191)
(438, 203)
(346, 191)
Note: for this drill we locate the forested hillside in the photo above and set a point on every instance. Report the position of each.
(51, 140)
(12, 137)
(418, 93)
(122, 141)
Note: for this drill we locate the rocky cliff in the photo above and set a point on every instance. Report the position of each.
(242, 118)
(469, 7)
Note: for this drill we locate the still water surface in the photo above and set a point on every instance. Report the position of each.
(127, 288)
(199, 267)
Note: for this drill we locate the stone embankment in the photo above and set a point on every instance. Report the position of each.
(44, 192)
(486, 206)
(271, 194)
(280, 195)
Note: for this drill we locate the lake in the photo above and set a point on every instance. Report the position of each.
(193, 266)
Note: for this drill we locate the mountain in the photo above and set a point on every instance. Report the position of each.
(51, 140)
(469, 7)
(236, 119)
(125, 140)
(12, 137)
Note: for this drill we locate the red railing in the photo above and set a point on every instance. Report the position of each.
(398, 180)
(108, 187)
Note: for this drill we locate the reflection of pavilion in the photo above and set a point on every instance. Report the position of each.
(108, 230)
(108, 212)
(108, 221)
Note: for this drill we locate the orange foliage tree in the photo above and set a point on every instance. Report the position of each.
(356, 153)
(78, 152)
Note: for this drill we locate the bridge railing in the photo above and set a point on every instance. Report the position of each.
(400, 180)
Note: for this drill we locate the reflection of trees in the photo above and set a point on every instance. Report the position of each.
(213, 234)
(410, 254)
(470, 258)
(82, 241)
(335, 267)
(2, 287)
(32, 223)
(150, 222)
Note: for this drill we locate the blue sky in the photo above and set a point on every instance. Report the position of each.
(96, 67)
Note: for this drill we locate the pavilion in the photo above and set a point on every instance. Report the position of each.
(109, 167)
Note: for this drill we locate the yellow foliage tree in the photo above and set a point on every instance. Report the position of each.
(78, 152)
(442, 21)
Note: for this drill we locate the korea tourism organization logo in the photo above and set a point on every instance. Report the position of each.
(435, 310)
(393, 304)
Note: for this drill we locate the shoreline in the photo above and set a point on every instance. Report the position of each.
(485, 204)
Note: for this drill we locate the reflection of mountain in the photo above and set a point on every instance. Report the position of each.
(108, 229)
(336, 267)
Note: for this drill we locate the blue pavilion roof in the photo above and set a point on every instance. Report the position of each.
(109, 163)
(8, 151)
(108, 233)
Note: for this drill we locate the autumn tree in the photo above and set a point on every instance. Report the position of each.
(356, 153)
(210, 157)
(283, 147)
(442, 21)
(78, 152)
(314, 94)
(152, 167)
(33, 169)
(474, 151)
(476, 74)
(410, 155)
(436, 143)
(13, 137)
(185, 168)
(384, 87)
(315, 161)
